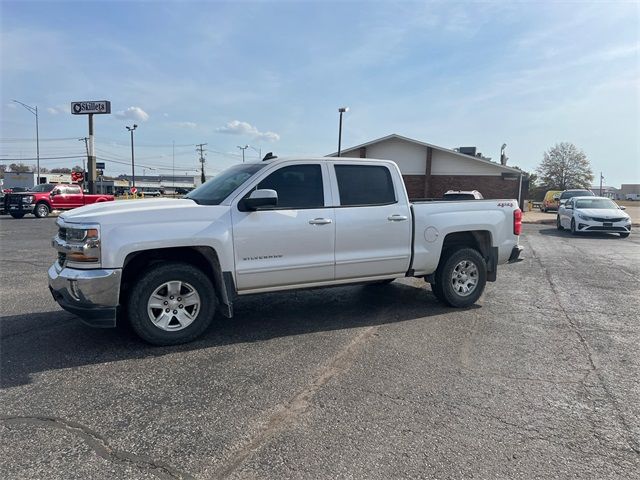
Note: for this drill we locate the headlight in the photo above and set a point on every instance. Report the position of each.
(584, 217)
(27, 199)
(83, 244)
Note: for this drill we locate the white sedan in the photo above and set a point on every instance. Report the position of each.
(593, 214)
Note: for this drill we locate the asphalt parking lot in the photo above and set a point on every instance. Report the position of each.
(541, 380)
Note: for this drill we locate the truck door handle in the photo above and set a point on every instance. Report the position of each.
(397, 218)
(320, 221)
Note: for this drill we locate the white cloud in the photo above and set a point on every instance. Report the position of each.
(236, 127)
(52, 110)
(133, 113)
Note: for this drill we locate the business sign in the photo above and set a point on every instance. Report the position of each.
(90, 107)
(100, 165)
(77, 176)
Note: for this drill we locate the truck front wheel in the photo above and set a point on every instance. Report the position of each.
(17, 215)
(42, 210)
(171, 303)
(461, 278)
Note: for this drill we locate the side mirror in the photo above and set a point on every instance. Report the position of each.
(54, 192)
(622, 207)
(261, 199)
(570, 207)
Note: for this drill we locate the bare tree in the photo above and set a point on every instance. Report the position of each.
(61, 170)
(565, 166)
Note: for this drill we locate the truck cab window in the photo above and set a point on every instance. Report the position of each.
(361, 185)
(298, 186)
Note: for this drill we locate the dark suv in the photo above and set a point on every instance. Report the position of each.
(567, 194)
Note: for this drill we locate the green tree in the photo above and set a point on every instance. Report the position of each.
(565, 166)
(20, 168)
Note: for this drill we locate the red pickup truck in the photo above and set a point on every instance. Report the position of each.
(42, 199)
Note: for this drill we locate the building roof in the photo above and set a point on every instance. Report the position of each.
(424, 144)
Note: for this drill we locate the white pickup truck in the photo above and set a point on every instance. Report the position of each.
(167, 265)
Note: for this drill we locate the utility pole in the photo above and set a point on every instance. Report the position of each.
(173, 165)
(86, 145)
(200, 148)
(601, 179)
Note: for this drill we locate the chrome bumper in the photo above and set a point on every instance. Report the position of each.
(92, 295)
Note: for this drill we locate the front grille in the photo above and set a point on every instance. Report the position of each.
(61, 258)
(609, 229)
(600, 219)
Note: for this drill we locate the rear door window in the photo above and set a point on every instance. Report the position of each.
(361, 185)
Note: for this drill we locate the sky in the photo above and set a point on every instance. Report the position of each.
(272, 74)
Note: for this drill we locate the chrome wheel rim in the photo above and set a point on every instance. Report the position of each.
(173, 306)
(43, 210)
(464, 278)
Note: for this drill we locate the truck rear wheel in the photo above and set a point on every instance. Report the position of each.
(171, 303)
(460, 278)
(42, 210)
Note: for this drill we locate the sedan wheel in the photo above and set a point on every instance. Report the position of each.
(558, 224)
(573, 227)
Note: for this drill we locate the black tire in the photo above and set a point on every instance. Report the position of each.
(573, 227)
(445, 290)
(17, 215)
(558, 224)
(624, 235)
(542, 209)
(42, 210)
(149, 282)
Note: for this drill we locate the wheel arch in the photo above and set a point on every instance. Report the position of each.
(203, 257)
(480, 240)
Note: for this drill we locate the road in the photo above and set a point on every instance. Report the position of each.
(541, 380)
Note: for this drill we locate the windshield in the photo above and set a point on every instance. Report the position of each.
(575, 193)
(47, 187)
(595, 203)
(222, 185)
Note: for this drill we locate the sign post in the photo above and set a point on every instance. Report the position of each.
(91, 108)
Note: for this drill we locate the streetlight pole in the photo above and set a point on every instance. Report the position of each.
(341, 110)
(133, 168)
(34, 110)
(243, 149)
(258, 151)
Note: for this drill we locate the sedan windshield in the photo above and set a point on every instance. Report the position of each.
(599, 203)
(222, 185)
(46, 187)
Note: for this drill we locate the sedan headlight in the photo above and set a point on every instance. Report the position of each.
(27, 199)
(584, 217)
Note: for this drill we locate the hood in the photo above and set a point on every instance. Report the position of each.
(142, 211)
(602, 212)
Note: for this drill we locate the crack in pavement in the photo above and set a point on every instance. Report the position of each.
(299, 404)
(633, 443)
(99, 445)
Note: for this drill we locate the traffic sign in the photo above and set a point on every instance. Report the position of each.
(100, 165)
(133, 190)
(91, 107)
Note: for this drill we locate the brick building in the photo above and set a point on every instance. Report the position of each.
(429, 171)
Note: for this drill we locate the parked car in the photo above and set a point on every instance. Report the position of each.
(593, 214)
(152, 193)
(42, 199)
(567, 194)
(551, 201)
(463, 195)
(276, 225)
